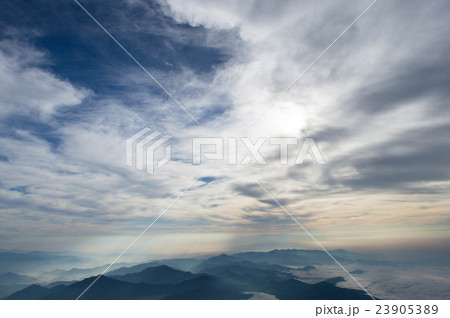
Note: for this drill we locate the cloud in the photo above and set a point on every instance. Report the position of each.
(29, 90)
(250, 190)
(375, 103)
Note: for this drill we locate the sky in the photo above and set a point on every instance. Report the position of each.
(376, 104)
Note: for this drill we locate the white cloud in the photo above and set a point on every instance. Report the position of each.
(86, 176)
(26, 89)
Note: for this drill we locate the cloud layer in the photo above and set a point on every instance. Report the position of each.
(376, 103)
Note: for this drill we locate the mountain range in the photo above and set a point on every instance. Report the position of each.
(224, 276)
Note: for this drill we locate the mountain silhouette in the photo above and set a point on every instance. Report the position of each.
(157, 275)
(290, 257)
(226, 260)
(224, 276)
(201, 287)
(293, 289)
(31, 292)
(306, 268)
(185, 264)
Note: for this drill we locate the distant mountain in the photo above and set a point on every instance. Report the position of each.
(222, 259)
(13, 278)
(60, 282)
(290, 257)
(8, 289)
(306, 268)
(248, 278)
(294, 289)
(274, 281)
(272, 260)
(339, 252)
(11, 282)
(228, 282)
(32, 292)
(335, 280)
(78, 273)
(201, 287)
(208, 288)
(157, 275)
(184, 264)
(36, 260)
(226, 260)
(235, 276)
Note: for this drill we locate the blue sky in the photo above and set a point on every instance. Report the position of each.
(376, 104)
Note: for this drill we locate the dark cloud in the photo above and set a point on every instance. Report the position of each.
(267, 220)
(249, 190)
(21, 189)
(418, 156)
(271, 202)
(405, 83)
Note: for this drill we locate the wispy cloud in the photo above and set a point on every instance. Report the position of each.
(375, 104)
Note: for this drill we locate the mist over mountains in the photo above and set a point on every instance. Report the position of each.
(276, 274)
(11, 261)
(237, 276)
